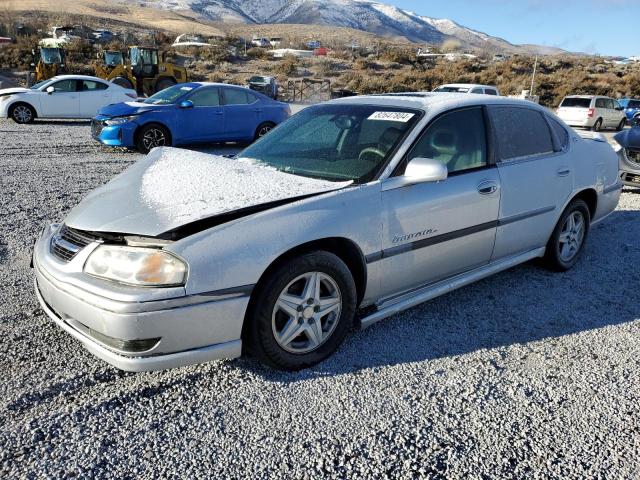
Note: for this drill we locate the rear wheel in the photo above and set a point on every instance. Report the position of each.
(22, 113)
(597, 126)
(569, 236)
(151, 136)
(123, 82)
(302, 311)
(164, 83)
(263, 129)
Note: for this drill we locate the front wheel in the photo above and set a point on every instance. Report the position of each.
(621, 125)
(151, 136)
(302, 312)
(22, 113)
(569, 236)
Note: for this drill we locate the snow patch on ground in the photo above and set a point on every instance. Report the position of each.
(183, 185)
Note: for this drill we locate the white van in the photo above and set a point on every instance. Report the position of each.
(594, 112)
(468, 88)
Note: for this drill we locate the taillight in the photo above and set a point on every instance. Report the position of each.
(592, 112)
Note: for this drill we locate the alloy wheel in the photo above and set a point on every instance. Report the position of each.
(153, 137)
(264, 130)
(22, 114)
(571, 236)
(306, 312)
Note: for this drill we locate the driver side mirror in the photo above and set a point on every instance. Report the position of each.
(420, 170)
(50, 89)
(186, 104)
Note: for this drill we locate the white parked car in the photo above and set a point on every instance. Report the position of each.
(590, 111)
(64, 96)
(348, 212)
(468, 88)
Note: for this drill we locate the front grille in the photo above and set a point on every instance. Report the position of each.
(67, 242)
(96, 127)
(634, 156)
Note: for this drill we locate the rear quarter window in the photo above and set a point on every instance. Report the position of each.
(562, 136)
(520, 132)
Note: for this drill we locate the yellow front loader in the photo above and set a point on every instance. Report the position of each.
(143, 71)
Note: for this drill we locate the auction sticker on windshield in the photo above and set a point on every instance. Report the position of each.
(392, 116)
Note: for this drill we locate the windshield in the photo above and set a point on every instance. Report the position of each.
(633, 104)
(447, 89)
(258, 79)
(574, 102)
(111, 59)
(335, 142)
(143, 56)
(37, 85)
(168, 95)
(50, 55)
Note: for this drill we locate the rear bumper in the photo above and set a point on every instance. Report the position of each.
(138, 334)
(584, 123)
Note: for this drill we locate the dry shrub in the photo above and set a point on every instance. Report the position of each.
(288, 66)
(258, 53)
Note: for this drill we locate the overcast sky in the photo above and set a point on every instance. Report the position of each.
(607, 27)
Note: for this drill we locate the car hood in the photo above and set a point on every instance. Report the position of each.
(629, 138)
(12, 91)
(129, 108)
(172, 187)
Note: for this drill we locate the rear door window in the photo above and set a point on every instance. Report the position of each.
(490, 91)
(90, 86)
(520, 132)
(477, 90)
(601, 103)
(236, 96)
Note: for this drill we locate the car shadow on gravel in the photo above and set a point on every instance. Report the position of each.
(83, 123)
(525, 304)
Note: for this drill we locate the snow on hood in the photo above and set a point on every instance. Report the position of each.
(172, 187)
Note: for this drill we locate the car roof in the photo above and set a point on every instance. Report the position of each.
(465, 85)
(586, 96)
(79, 77)
(431, 101)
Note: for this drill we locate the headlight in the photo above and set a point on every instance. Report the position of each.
(5, 97)
(119, 120)
(136, 266)
(616, 146)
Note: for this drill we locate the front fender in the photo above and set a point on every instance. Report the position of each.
(239, 252)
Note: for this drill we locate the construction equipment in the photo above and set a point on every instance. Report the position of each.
(142, 71)
(48, 62)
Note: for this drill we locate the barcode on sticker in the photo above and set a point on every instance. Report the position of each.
(392, 116)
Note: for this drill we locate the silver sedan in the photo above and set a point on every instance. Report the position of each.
(347, 213)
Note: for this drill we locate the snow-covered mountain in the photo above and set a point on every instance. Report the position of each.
(367, 15)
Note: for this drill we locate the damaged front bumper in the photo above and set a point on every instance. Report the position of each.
(136, 328)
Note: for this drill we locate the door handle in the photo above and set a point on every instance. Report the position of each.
(563, 172)
(487, 188)
(219, 112)
(257, 110)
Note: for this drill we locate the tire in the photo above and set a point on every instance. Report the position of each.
(151, 136)
(263, 129)
(163, 83)
(123, 82)
(22, 113)
(621, 125)
(562, 255)
(282, 323)
(597, 126)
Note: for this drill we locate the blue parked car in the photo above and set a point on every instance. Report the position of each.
(631, 108)
(189, 113)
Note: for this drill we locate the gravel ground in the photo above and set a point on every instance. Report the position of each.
(527, 374)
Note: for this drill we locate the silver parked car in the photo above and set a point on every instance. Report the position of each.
(347, 213)
(628, 148)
